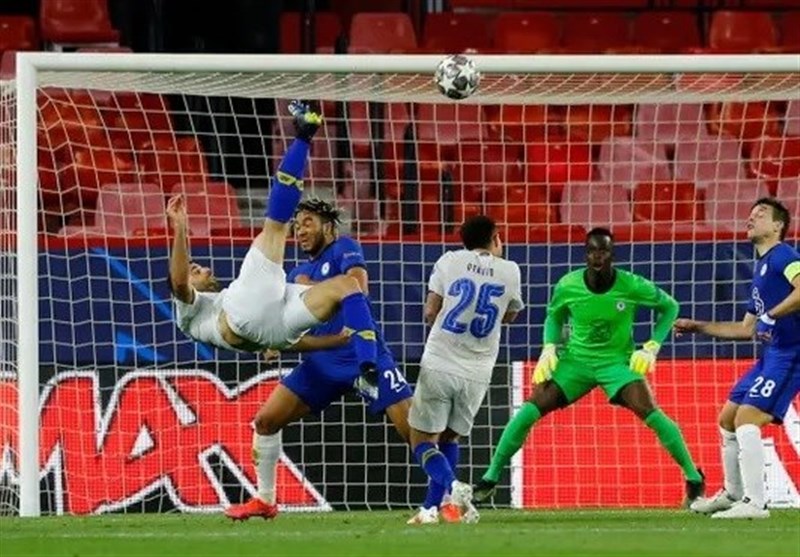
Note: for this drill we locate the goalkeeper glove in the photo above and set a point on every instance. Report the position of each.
(548, 360)
(306, 120)
(644, 360)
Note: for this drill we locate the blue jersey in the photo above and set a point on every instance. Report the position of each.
(772, 278)
(337, 258)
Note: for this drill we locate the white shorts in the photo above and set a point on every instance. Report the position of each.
(262, 308)
(443, 400)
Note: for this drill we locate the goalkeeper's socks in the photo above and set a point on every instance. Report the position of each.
(436, 491)
(266, 452)
(287, 183)
(358, 318)
(512, 439)
(435, 464)
(731, 472)
(751, 462)
(669, 434)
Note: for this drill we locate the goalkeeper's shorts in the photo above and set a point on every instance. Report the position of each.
(575, 378)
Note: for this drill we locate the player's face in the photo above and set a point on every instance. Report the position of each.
(760, 225)
(599, 253)
(202, 279)
(310, 232)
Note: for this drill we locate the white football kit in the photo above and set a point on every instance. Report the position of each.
(259, 305)
(478, 289)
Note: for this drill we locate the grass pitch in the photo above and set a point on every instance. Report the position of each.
(502, 532)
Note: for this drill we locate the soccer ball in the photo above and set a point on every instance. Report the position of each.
(457, 77)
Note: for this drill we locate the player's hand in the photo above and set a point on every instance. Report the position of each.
(548, 360)
(684, 326)
(764, 327)
(270, 355)
(644, 359)
(303, 279)
(176, 211)
(306, 120)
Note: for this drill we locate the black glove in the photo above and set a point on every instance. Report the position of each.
(306, 120)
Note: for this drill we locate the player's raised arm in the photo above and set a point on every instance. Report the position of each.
(179, 258)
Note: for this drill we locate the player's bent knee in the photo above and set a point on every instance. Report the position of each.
(266, 424)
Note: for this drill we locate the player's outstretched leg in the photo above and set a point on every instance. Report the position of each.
(732, 490)
(512, 439)
(287, 184)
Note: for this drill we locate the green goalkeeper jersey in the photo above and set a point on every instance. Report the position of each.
(601, 325)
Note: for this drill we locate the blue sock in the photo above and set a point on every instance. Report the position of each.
(287, 183)
(435, 464)
(435, 491)
(358, 317)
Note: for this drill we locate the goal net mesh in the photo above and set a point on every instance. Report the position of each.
(136, 417)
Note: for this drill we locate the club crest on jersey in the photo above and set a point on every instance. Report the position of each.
(620, 306)
(763, 269)
(326, 268)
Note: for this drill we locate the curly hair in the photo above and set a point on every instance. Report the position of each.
(326, 210)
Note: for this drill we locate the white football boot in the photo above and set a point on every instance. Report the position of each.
(720, 501)
(425, 516)
(743, 509)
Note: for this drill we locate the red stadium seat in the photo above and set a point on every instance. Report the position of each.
(744, 120)
(668, 32)
(519, 123)
(523, 32)
(211, 206)
(626, 161)
(790, 30)
(744, 31)
(17, 32)
(134, 119)
(76, 22)
(792, 118)
(728, 203)
(441, 127)
(594, 122)
(555, 162)
(670, 123)
(382, 32)
(710, 158)
(169, 160)
(327, 29)
(456, 32)
(591, 204)
(772, 158)
(488, 172)
(788, 191)
(666, 202)
(595, 32)
(126, 210)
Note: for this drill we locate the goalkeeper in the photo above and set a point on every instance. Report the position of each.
(600, 303)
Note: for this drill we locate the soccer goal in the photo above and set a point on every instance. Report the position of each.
(105, 406)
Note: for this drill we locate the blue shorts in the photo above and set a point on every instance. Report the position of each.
(318, 383)
(771, 383)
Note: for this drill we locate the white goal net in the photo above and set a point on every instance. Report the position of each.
(106, 406)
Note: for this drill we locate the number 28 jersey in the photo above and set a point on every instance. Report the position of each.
(477, 289)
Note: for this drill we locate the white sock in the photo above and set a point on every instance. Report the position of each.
(266, 452)
(730, 464)
(751, 462)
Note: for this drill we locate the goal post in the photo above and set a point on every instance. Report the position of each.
(507, 80)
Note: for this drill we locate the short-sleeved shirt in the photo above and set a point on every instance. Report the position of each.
(772, 283)
(477, 290)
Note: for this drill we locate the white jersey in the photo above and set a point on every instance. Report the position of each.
(200, 319)
(477, 290)
(259, 308)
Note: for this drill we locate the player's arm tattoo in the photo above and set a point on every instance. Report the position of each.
(433, 305)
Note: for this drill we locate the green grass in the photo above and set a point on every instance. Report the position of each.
(596, 533)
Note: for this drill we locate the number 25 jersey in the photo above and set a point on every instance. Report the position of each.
(477, 289)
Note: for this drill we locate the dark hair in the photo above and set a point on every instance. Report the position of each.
(779, 212)
(599, 231)
(477, 232)
(324, 209)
